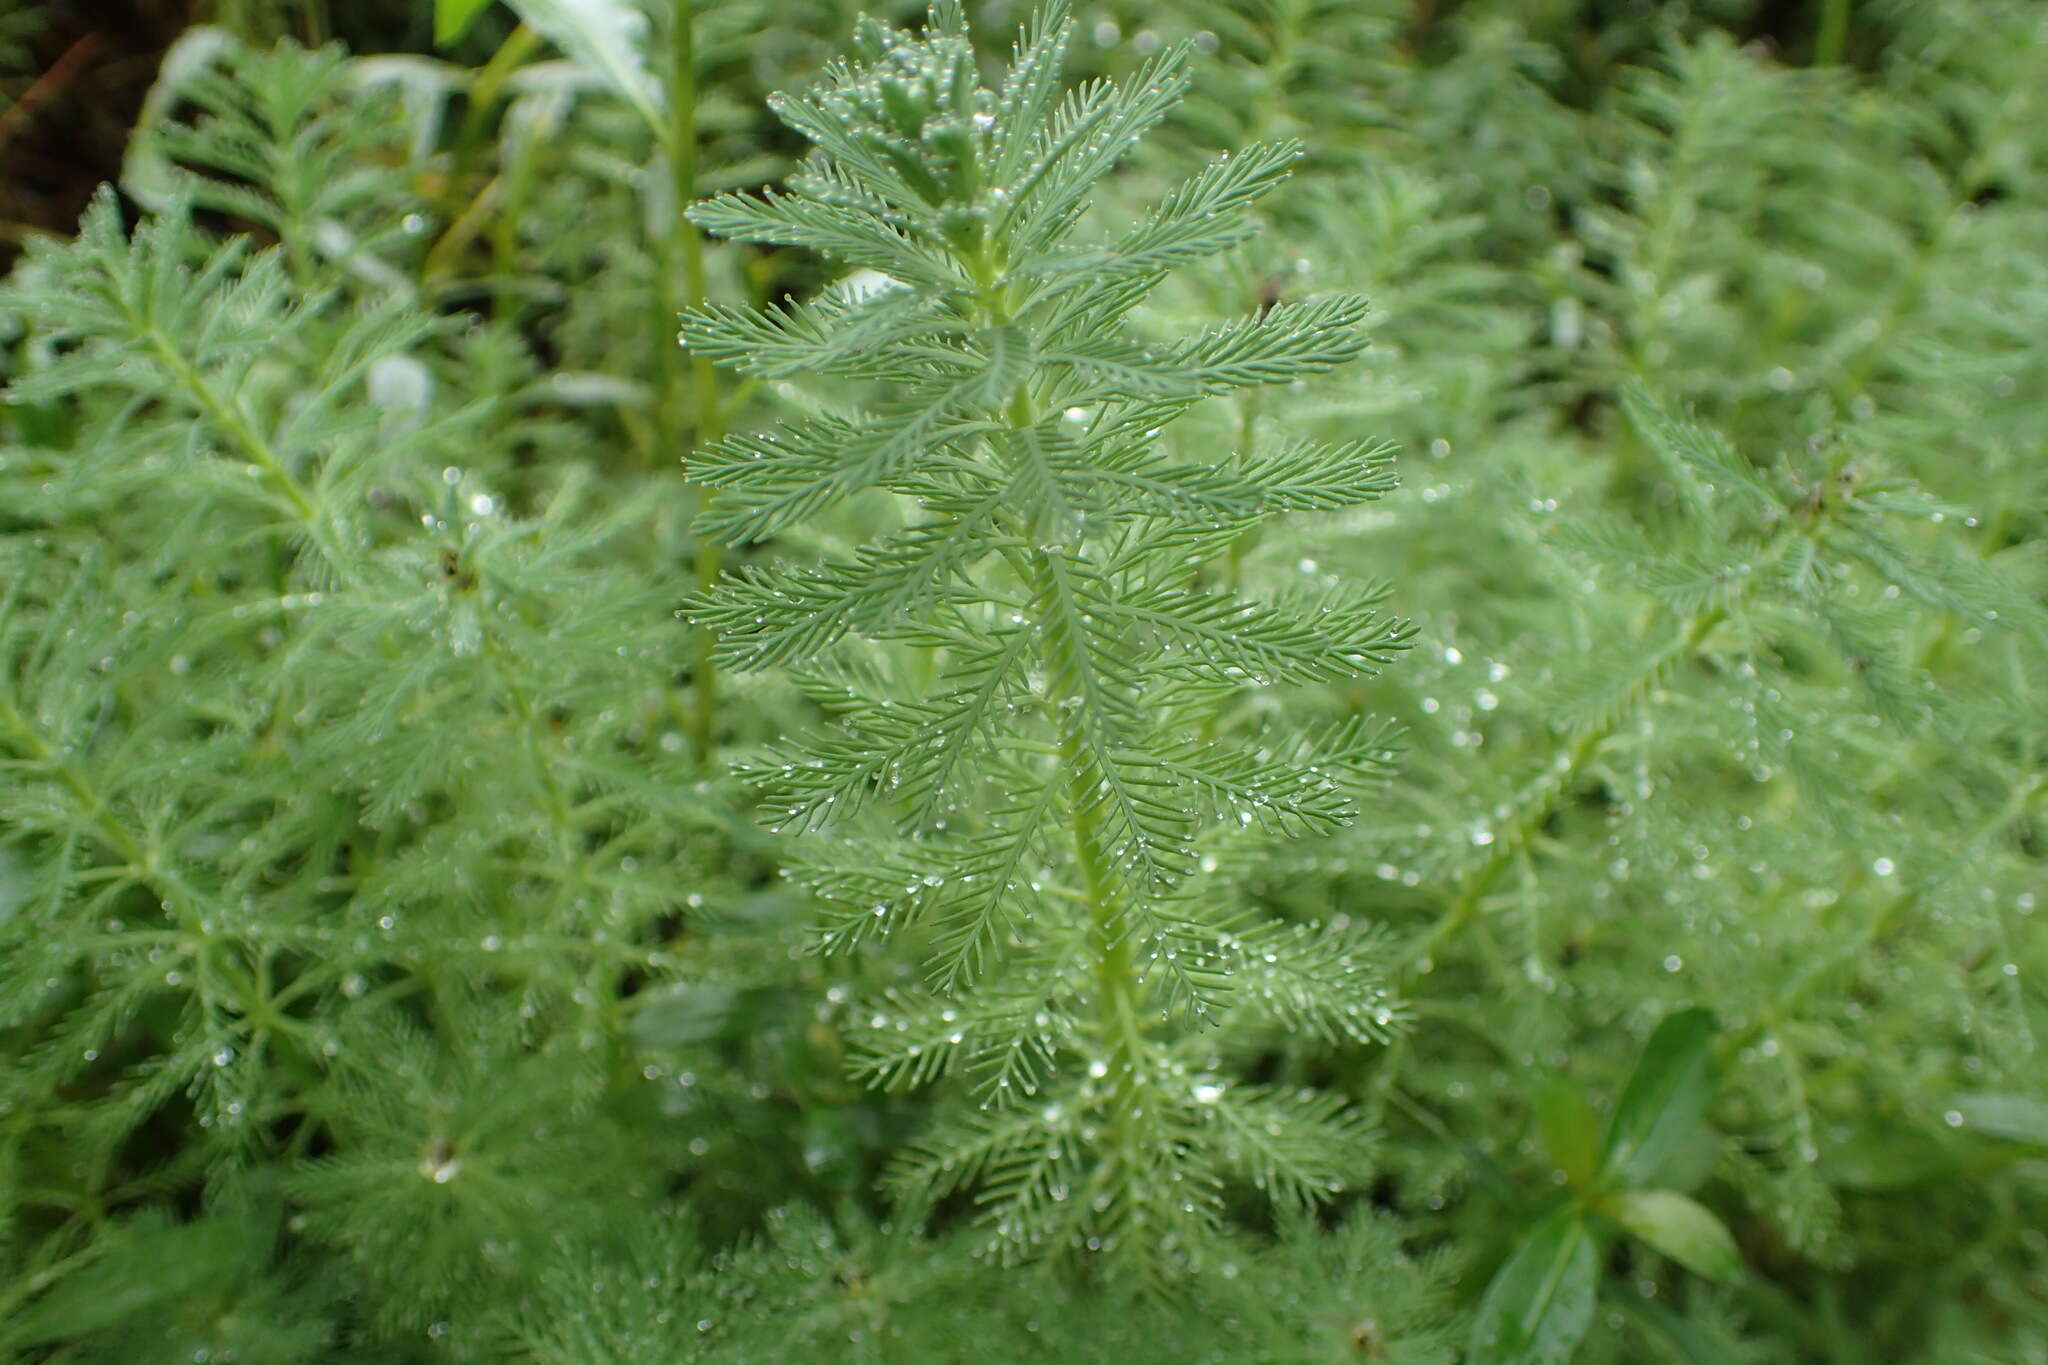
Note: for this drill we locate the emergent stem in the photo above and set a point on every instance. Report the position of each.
(1116, 979)
(1833, 38)
(1118, 992)
(681, 139)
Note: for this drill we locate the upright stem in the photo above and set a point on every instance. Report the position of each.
(1118, 992)
(1833, 37)
(1116, 978)
(269, 464)
(682, 161)
(485, 90)
(709, 422)
(1510, 843)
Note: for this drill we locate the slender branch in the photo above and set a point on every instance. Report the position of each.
(1833, 38)
(485, 90)
(229, 417)
(1511, 843)
(683, 162)
(1976, 173)
(1881, 923)
(29, 742)
(681, 139)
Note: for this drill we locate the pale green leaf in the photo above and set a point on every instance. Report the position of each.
(1680, 1228)
(1540, 1303)
(608, 38)
(1665, 1100)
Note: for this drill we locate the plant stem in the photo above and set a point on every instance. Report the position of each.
(485, 90)
(1117, 987)
(48, 87)
(270, 465)
(1116, 980)
(1970, 181)
(1510, 843)
(29, 742)
(709, 424)
(181, 902)
(682, 161)
(1881, 923)
(1833, 37)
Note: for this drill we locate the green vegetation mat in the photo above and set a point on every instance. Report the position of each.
(1299, 681)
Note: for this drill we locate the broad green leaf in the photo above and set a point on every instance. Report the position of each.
(606, 37)
(2016, 1118)
(1539, 1305)
(452, 18)
(1681, 1228)
(1570, 1131)
(1665, 1099)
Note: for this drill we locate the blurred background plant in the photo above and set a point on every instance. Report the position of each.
(389, 970)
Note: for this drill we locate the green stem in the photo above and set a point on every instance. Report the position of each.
(29, 742)
(702, 378)
(1116, 978)
(1833, 38)
(1118, 991)
(1511, 843)
(180, 901)
(230, 419)
(682, 161)
(485, 90)
(1970, 181)
(1881, 924)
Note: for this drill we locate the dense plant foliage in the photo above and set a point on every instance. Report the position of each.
(1271, 680)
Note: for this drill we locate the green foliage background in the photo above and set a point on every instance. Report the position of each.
(393, 965)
